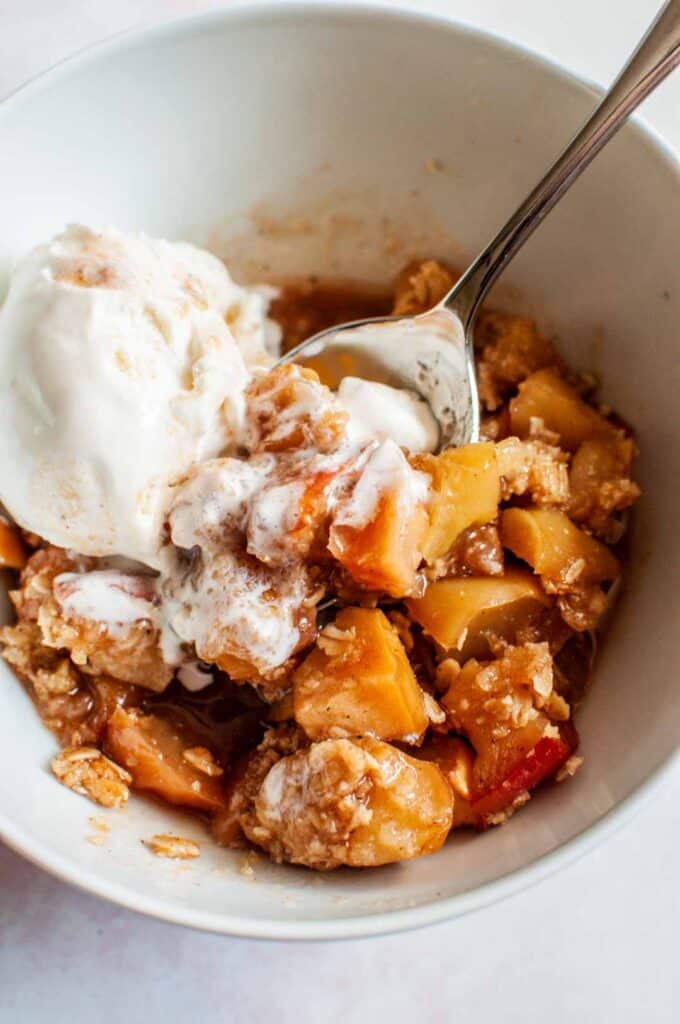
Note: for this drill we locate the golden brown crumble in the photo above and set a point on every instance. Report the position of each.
(583, 608)
(569, 768)
(510, 349)
(87, 771)
(323, 798)
(421, 286)
(101, 831)
(130, 654)
(402, 625)
(65, 703)
(335, 642)
(203, 759)
(247, 778)
(504, 706)
(601, 487)
(533, 468)
(539, 432)
(100, 824)
(164, 844)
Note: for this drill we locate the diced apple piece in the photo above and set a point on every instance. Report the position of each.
(462, 612)
(545, 395)
(382, 549)
(601, 460)
(483, 710)
(152, 749)
(553, 546)
(386, 552)
(108, 695)
(358, 681)
(455, 760)
(466, 492)
(504, 707)
(360, 803)
(539, 764)
(478, 808)
(600, 484)
(411, 805)
(13, 552)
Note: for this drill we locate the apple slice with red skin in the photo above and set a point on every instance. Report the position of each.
(541, 762)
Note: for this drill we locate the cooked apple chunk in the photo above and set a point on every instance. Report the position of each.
(465, 492)
(546, 760)
(556, 549)
(547, 397)
(462, 613)
(533, 468)
(359, 803)
(454, 757)
(601, 487)
(152, 750)
(504, 708)
(13, 553)
(358, 682)
(378, 531)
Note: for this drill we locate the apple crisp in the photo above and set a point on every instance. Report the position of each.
(348, 650)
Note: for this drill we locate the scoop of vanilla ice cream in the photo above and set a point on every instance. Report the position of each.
(123, 360)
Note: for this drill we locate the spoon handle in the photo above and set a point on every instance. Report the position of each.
(655, 57)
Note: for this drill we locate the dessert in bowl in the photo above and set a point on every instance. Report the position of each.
(382, 644)
(392, 638)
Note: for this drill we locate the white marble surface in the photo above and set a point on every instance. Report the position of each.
(595, 943)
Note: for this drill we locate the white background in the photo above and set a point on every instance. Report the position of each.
(597, 943)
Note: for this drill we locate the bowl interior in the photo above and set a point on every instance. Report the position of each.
(348, 141)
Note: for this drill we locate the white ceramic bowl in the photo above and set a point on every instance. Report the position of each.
(348, 116)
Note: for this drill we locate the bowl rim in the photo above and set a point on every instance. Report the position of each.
(438, 910)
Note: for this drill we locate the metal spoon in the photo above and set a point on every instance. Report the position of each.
(432, 354)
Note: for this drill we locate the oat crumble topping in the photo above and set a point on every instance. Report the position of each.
(569, 768)
(87, 771)
(203, 759)
(164, 844)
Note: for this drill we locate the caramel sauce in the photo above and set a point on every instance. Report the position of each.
(224, 717)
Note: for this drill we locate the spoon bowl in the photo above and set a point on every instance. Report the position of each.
(429, 354)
